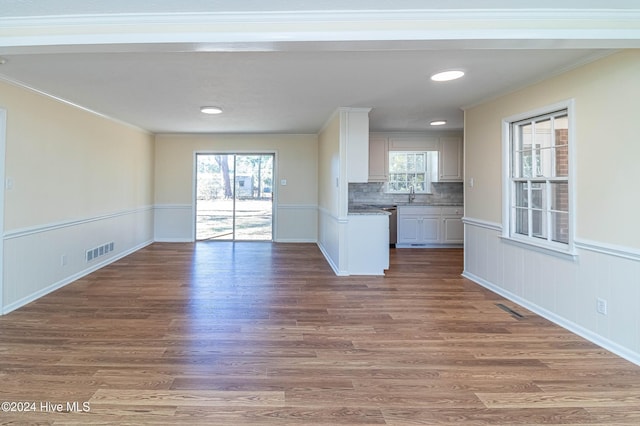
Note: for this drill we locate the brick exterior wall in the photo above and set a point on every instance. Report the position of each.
(561, 224)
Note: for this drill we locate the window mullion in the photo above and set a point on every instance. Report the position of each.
(548, 209)
(553, 146)
(529, 208)
(512, 208)
(534, 159)
(515, 148)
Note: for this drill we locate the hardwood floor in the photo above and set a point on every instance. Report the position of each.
(261, 333)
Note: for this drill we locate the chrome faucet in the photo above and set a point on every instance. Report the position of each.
(412, 194)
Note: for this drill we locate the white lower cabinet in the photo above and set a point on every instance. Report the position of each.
(452, 227)
(429, 226)
(418, 225)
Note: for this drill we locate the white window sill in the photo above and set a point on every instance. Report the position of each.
(560, 251)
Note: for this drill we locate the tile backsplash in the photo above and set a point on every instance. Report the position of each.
(444, 193)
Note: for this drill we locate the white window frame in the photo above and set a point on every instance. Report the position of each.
(508, 221)
(428, 172)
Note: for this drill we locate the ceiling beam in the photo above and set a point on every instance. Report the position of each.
(253, 31)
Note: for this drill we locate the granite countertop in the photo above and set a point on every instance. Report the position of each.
(367, 209)
(429, 204)
(379, 208)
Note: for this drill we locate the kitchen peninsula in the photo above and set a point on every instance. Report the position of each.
(368, 240)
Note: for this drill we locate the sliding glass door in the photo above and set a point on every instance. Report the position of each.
(234, 199)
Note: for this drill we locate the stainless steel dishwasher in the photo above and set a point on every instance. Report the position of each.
(393, 225)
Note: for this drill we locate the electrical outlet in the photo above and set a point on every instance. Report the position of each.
(601, 306)
(63, 260)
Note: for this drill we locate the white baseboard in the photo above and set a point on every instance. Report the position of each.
(173, 240)
(68, 280)
(426, 246)
(556, 319)
(330, 261)
(296, 240)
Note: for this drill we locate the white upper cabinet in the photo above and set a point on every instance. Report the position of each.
(378, 158)
(355, 128)
(411, 142)
(449, 148)
(450, 161)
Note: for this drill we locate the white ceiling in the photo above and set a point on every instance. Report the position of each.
(286, 71)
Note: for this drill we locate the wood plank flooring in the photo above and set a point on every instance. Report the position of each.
(261, 333)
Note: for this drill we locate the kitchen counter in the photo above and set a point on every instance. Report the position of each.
(429, 204)
(365, 209)
(379, 208)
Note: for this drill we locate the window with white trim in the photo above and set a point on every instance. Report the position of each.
(539, 180)
(411, 169)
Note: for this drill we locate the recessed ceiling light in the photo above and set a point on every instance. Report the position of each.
(438, 122)
(3, 60)
(447, 75)
(211, 110)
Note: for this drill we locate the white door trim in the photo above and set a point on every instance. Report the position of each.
(3, 145)
(274, 187)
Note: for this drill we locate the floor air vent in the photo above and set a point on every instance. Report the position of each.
(510, 311)
(99, 251)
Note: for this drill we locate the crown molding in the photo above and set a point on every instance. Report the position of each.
(348, 25)
(480, 15)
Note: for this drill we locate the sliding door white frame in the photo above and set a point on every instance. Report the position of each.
(3, 146)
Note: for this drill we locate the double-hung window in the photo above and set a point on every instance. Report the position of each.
(538, 200)
(411, 169)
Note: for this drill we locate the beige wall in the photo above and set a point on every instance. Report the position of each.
(296, 161)
(67, 163)
(606, 265)
(79, 181)
(329, 161)
(330, 223)
(606, 93)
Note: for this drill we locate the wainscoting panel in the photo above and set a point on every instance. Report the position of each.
(565, 291)
(42, 259)
(174, 223)
(330, 232)
(296, 223)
